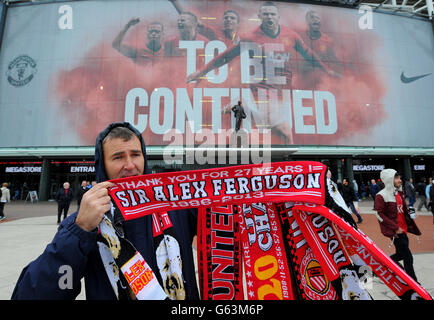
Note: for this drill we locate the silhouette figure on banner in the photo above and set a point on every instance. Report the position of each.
(239, 114)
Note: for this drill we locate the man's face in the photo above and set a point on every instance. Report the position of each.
(155, 32)
(372, 181)
(397, 181)
(186, 22)
(269, 17)
(313, 21)
(83, 184)
(230, 21)
(123, 158)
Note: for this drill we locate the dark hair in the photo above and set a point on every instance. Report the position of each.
(119, 133)
(234, 12)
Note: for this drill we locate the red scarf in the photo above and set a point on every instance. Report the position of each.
(280, 181)
(312, 282)
(267, 271)
(386, 269)
(270, 269)
(220, 269)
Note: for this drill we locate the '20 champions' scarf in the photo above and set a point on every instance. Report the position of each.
(243, 216)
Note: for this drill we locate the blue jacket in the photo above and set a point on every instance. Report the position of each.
(77, 248)
(374, 189)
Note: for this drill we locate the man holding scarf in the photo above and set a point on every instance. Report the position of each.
(81, 243)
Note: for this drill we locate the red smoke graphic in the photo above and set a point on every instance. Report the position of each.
(98, 91)
(93, 93)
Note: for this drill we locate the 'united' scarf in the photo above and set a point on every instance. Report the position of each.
(245, 187)
(220, 269)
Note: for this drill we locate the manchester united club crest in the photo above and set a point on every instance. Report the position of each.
(315, 282)
(21, 70)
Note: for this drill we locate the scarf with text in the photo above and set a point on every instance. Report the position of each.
(308, 275)
(328, 248)
(387, 270)
(267, 272)
(129, 275)
(237, 209)
(138, 196)
(218, 248)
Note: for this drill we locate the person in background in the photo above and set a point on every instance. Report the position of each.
(394, 217)
(5, 197)
(420, 189)
(373, 189)
(80, 192)
(63, 198)
(16, 194)
(25, 191)
(363, 190)
(356, 190)
(429, 193)
(339, 184)
(410, 192)
(349, 197)
(428, 189)
(380, 184)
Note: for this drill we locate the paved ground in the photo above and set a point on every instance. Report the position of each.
(30, 227)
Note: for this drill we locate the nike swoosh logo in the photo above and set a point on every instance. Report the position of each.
(405, 79)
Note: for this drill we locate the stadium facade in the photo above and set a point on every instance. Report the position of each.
(348, 87)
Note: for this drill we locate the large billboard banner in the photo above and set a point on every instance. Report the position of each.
(305, 74)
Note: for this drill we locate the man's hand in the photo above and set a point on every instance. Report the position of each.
(94, 204)
(195, 76)
(133, 21)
